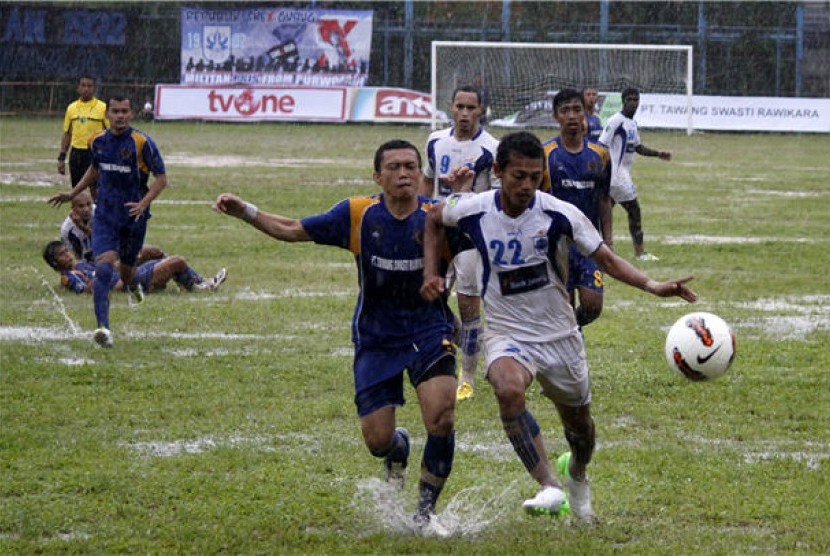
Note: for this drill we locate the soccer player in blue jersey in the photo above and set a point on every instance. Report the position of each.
(122, 160)
(393, 328)
(579, 171)
(522, 235)
(593, 125)
(79, 275)
(466, 143)
(622, 137)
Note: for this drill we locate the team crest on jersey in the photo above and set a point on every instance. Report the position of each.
(376, 233)
(126, 154)
(453, 199)
(540, 245)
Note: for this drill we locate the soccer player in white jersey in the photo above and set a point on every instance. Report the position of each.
(622, 137)
(522, 235)
(466, 143)
(76, 230)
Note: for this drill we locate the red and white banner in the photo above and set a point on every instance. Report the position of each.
(385, 104)
(180, 102)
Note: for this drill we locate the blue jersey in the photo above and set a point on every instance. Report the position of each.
(581, 179)
(390, 311)
(124, 163)
(593, 127)
(81, 275)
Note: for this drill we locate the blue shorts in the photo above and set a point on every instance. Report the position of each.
(124, 239)
(144, 274)
(378, 373)
(584, 272)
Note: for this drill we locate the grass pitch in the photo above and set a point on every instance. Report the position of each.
(225, 422)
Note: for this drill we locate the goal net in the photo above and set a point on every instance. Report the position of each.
(521, 78)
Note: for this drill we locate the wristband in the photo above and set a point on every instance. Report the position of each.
(250, 212)
(61, 157)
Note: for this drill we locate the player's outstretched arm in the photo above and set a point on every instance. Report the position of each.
(648, 151)
(278, 227)
(89, 177)
(433, 285)
(624, 271)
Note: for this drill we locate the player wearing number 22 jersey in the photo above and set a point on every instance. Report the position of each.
(525, 261)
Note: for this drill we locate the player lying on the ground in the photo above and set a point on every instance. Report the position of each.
(78, 276)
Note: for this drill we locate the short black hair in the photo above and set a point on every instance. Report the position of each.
(566, 95)
(522, 143)
(392, 145)
(118, 97)
(630, 91)
(50, 253)
(87, 76)
(467, 89)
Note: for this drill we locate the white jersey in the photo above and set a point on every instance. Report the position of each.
(77, 240)
(525, 261)
(445, 153)
(622, 136)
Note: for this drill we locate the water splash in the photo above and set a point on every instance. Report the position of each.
(466, 514)
(58, 302)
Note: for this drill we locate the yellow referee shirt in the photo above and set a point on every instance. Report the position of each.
(83, 120)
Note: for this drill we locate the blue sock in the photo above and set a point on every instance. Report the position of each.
(188, 278)
(101, 293)
(400, 448)
(521, 431)
(398, 451)
(469, 336)
(439, 453)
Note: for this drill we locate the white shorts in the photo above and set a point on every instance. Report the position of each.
(622, 187)
(560, 366)
(468, 270)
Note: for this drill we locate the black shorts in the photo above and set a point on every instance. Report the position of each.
(79, 161)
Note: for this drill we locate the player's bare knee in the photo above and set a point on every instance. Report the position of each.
(511, 398)
(176, 263)
(443, 424)
(379, 442)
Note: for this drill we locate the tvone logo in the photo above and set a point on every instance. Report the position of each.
(402, 104)
(246, 104)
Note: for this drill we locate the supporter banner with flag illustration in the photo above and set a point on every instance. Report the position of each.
(275, 46)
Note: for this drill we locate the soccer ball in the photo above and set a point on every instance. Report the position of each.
(700, 346)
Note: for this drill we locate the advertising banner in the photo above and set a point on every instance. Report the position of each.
(178, 102)
(388, 104)
(718, 113)
(275, 46)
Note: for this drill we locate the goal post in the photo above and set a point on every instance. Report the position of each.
(522, 76)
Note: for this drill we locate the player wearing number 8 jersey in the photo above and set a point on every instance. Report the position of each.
(522, 235)
(579, 171)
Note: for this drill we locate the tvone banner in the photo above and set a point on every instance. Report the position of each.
(275, 46)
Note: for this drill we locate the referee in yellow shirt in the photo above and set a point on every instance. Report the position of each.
(84, 118)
